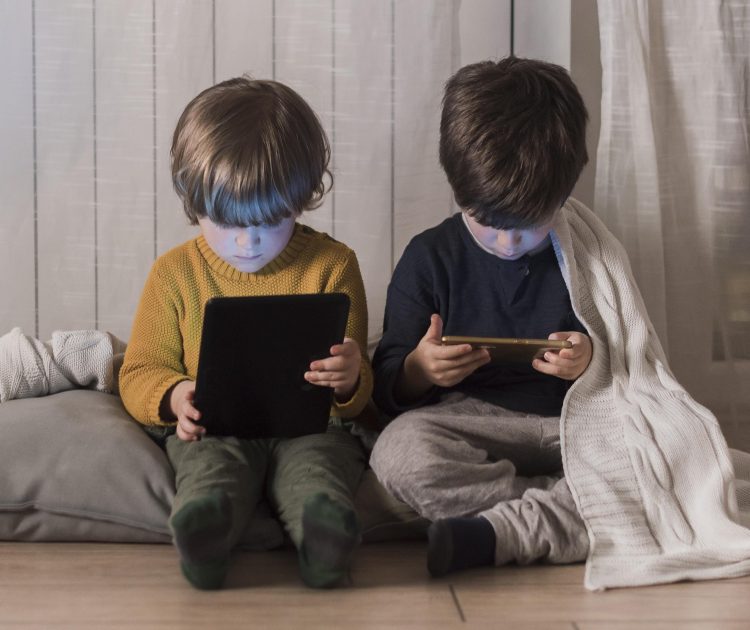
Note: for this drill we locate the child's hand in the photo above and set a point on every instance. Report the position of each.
(568, 363)
(181, 402)
(432, 363)
(340, 370)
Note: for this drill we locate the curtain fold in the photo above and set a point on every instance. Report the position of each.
(673, 181)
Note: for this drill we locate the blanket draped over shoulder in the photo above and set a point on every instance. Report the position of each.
(77, 358)
(648, 466)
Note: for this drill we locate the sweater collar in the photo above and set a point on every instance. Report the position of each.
(299, 241)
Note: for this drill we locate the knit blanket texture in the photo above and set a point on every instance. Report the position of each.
(648, 466)
(76, 358)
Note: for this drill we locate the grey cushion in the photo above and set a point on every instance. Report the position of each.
(75, 466)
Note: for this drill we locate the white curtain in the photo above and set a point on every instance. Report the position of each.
(673, 181)
(91, 91)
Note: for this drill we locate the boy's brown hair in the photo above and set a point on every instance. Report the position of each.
(249, 152)
(512, 140)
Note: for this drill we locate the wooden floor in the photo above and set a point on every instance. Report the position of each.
(139, 586)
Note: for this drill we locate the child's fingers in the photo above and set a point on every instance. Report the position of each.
(565, 370)
(329, 379)
(467, 363)
(558, 358)
(545, 367)
(189, 430)
(320, 376)
(459, 355)
(333, 364)
(342, 356)
(449, 352)
(348, 347)
(191, 412)
(452, 373)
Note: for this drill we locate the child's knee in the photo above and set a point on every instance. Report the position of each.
(402, 452)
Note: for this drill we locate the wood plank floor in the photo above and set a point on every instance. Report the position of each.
(139, 586)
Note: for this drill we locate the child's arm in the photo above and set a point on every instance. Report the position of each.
(418, 289)
(432, 363)
(348, 369)
(153, 360)
(570, 363)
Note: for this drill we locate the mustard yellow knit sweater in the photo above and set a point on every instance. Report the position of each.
(165, 340)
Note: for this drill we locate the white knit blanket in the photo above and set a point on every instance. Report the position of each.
(647, 465)
(76, 358)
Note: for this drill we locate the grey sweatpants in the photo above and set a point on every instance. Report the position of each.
(466, 457)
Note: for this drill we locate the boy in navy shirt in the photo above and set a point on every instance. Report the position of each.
(475, 446)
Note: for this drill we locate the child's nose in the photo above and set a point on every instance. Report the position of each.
(509, 238)
(247, 237)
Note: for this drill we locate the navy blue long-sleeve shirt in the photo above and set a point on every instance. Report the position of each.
(443, 270)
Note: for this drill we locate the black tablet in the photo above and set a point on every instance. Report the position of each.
(253, 357)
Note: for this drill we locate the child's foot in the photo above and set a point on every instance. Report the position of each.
(329, 536)
(201, 531)
(455, 544)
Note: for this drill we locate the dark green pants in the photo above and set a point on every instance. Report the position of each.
(285, 471)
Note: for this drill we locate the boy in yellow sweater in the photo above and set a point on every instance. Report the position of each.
(248, 157)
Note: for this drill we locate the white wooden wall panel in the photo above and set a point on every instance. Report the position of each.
(364, 140)
(65, 165)
(244, 39)
(422, 194)
(542, 30)
(184, 67)
(17, 251)
(125, 203)
(484, 30)
(303, 59)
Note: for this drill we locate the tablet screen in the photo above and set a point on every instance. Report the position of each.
(253, 357)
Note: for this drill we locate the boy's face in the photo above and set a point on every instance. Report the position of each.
(247, 249)
(511, 244)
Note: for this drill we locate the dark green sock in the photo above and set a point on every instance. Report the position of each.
(455, 544)
(201, 531)
(330, 534)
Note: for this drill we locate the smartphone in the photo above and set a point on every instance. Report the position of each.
(509, 350)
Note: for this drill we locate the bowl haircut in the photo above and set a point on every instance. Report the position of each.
(249, 152)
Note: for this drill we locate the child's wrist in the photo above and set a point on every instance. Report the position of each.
(412, 382)
(347, 394)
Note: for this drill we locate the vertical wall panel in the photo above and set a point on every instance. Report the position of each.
(542, 30)
(244, 38)
(363, 141)
(484, 30)
(65, 165)
(124, 159)
(184, 67)
(303, 36)
(422, 194)
(17, 256)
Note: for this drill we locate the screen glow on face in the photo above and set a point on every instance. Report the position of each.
(510, 244)
(247, 249)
